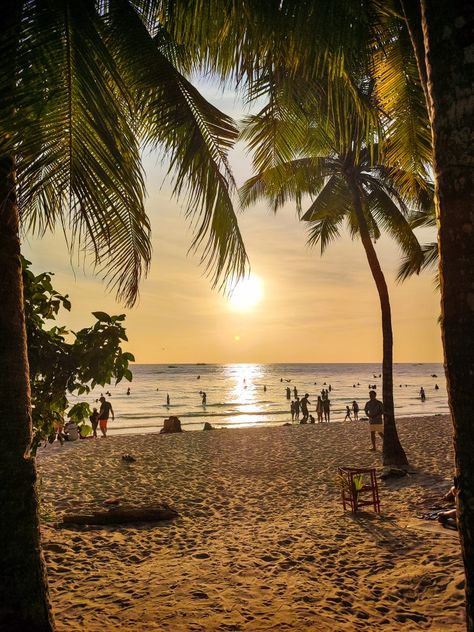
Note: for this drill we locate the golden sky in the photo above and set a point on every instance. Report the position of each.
(313, 308)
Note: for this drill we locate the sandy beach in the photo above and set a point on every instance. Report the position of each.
(261, 541)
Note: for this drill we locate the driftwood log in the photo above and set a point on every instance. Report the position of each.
(122, 515)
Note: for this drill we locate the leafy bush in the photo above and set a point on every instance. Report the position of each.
(63, 363)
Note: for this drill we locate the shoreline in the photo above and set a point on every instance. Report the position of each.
(113, 431)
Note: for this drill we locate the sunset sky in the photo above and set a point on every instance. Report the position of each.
(313, 308)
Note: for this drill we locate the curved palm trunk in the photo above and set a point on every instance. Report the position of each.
(393, 452)
(448, 41)
(24, 601)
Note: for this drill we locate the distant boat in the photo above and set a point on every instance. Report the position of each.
(172, 366)
(200, 364)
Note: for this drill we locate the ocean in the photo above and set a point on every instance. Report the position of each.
(255, 394)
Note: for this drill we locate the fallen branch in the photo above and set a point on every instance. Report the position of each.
(122, 515)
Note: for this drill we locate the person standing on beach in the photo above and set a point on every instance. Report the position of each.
(167, 399)
(304, 406)
(355, 410)
(204, 398)
(297, 408)
(292, 410)
(288, 393)
(319, 409)
(348, 414)
(374, 411)
(94, 419)
(422, 394)
(327, 409)
(104, 412)
(295, 391)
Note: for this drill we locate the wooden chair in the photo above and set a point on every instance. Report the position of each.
(359, 488)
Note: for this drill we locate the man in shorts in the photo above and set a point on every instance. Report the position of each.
(105, 410)
(374, 411)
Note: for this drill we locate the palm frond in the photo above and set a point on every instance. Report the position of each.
(194, 135)
(394, 222)
(286, 182)
(327, 212)
(407, 137)
(409, 267)
(78, 161)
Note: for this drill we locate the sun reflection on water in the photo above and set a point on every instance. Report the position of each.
(246, 387)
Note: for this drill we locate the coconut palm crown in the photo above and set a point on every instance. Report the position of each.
(338, 162)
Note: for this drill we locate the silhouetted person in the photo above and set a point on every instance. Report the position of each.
(295, 391)
(348, 414)
(104, 412)
(94, 419)
(319, 409)
(327, 409)
(204, 398)
(422, 394)
(288, 393)
(297, 408)
(167, 399)
(436, 387)
(355, 410)
(374, 411)
(304, 405)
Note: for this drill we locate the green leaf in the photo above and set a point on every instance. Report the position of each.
(102, 317)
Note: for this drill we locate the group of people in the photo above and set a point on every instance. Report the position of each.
(323, 408)
(99, 418)
(373, 409)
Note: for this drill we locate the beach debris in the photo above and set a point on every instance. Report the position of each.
(128, 458)
(112, 501)
(122, 514)
(208, 426)
(170, 425)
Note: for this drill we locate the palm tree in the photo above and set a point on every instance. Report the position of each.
(348, 181)
(84, 87)
(441, 35)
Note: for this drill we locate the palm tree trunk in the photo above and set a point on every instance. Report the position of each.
(447, 28)
(393, 452)
(24, 600)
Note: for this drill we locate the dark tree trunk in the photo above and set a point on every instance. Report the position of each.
(393, 452)
(24, 600)
(448, 32)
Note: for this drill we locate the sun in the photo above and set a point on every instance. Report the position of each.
(246, 294)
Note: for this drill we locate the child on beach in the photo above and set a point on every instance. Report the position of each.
(348, 414)
(94, 419)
